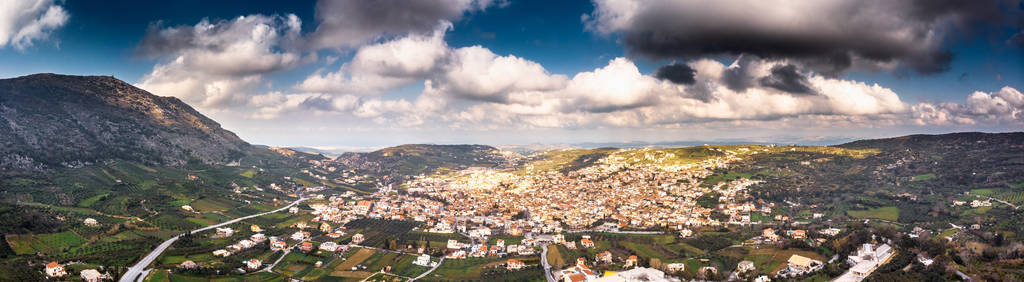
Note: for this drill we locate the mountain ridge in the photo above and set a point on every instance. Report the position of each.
(52, 120)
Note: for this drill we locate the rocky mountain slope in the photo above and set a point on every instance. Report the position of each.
(49, 120)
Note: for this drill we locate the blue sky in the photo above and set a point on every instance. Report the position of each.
(519, 72)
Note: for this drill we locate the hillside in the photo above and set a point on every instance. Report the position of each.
(414, 159)
(49, 120)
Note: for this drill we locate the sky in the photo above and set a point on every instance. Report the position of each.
(365, 74)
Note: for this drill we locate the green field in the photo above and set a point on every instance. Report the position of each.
(923, 177)
(45, 243)
(984, 192)
(886, 213)
(248, 173)
(87, 202)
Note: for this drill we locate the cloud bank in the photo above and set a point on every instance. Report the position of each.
(22, 22)
(828, 36)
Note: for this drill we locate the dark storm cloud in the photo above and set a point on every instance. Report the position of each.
(348, 23)
(160, 41)
(677, 73)
(827, 36)
(786, 78)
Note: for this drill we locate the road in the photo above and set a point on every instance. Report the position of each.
(134, 273)
(544, 261)
(429, 271)
(286, 251)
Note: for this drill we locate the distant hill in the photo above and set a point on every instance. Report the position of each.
(50, 120)
(408, 160)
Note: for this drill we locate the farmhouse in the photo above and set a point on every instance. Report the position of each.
(91, 222)
(422, 260)
(54, 269)
(92, 275)
(514, 264)
(253, 264)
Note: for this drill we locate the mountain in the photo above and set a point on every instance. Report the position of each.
(50, 120)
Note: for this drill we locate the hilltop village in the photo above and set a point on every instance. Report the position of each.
(694, 213)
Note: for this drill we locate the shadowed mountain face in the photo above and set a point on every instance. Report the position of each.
(49, 120)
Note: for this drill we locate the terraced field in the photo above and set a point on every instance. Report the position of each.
(45, 243)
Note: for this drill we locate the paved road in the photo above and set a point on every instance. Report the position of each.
(286, 251)
(134, 273)
(544, 261)
(429, 271)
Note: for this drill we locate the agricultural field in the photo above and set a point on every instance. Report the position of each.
(923, 177)
(771, 260)
(43, 243)
(368, 261)
(887, 213)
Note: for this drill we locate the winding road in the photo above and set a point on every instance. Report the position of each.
(135, 272)
(544, 261)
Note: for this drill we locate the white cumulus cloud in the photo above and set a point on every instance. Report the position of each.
(22, 22)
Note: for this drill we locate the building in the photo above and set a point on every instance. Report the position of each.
(769, 234)
(587, 243)
(514, 264)
(577, 273)
(604, 257)
(293, 210)
(329, 246)
(638, 274)
(685, 233)
(54, 269)
(92, 275)
(802, 263)
(221, 253)
(187, 208)
(830, 232)
(452, 244)
(90, 222)
(870, 252)
(358, 238)
(255, 228)
(745, 266)
(278, 245)
(797, 234)
(306, 246)
(362, 207)
(632, 260)
(422, 260)
(225, 232)
(868, 257)
(258, 237)
(325, 228)
(300, 236)
(253, 264)
(188, 264)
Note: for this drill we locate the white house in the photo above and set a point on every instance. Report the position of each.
(253, 264)
(92, 275)
(745, 266)
(225, 232)
(54, 269)
(422, 260)
(329, 246)
(91, 222)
